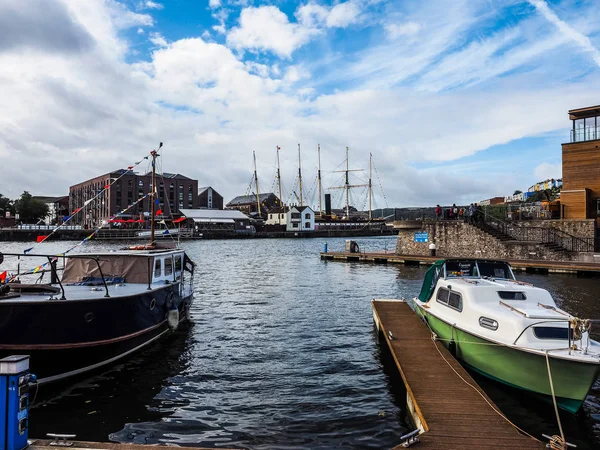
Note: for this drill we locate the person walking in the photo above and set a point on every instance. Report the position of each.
(438, 212)
(454, 211)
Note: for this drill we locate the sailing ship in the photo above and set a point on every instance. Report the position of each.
(509, 331)
(101, 308)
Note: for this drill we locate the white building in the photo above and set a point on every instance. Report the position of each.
(300, 218)
(277, 216)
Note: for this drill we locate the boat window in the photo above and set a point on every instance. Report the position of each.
(455, 301)
(157, 268)
(168, 266)
(494, 269)
(551, 333)
(512, 295)
(450, 299)
(177, 263)
(461, 269)
(488, 323)
(442, 295)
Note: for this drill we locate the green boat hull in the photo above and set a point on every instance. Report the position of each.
(572, 380)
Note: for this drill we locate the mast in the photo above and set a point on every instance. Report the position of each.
(347, 186)
(300, 175)
(256, 183)
(279, 183)
(154, 154)
(319, 180)
(370, 186)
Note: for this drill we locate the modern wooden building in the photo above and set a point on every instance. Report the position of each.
(580, 195)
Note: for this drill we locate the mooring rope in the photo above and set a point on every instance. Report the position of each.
(494, 408)
(557, 442)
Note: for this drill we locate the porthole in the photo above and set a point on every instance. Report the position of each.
(488, 323)
(152, 304)
(88, 317)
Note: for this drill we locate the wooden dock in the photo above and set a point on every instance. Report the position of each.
(518, 265)
(449, 413)
(47, 444)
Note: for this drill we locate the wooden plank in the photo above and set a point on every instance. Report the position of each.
(453, 414)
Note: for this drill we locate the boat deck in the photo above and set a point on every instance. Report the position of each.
(521, 265)
(450, 414)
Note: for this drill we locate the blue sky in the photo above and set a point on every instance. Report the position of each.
(458, 101)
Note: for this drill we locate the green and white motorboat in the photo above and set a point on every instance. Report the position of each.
(508, 330)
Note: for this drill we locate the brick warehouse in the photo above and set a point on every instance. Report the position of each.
(175, 192)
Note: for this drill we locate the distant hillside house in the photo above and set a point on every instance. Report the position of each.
(58, 207)
(277, 216)
(247, 203)
(300, 218)
(208, 198)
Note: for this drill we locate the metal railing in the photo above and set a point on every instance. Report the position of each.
(585, 134)
(543, 235)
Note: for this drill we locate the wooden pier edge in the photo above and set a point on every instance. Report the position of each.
(449, 413)
(48, 444)
(518, 265)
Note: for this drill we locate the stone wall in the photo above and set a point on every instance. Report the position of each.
(461, 240)
(582, 228)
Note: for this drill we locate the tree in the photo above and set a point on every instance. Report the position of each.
(517, 192)
(6, 204)
(29, 209)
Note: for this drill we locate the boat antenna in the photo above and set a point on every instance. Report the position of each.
(319, 178)
(154, 154)
(279, 183)
(300, 175)
(256, 183)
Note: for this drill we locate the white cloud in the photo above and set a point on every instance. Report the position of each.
(214, 4)
(311, 15)
(395, 30)
(343, 14)
(153, 5)
(568, 31)
(140, 31)
(158, 40)
(546, 171)
(267, 28)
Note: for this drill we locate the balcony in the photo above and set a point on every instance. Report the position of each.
(585, 134)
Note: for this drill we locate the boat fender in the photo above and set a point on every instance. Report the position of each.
(169, 301)
(173, 318)
(452, 348)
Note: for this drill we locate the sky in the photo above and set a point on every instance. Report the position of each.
(457, 101)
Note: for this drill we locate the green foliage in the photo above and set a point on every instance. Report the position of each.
(517, 192)
(6, 204)
(29, 209)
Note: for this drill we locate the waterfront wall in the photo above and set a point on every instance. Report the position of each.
(582, 228)
(461, 240)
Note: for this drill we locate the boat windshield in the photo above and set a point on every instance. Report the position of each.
(478, 269)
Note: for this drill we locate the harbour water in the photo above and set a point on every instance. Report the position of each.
(281, 355)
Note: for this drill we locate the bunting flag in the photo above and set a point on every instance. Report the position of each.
(106, 186)
(3, 277)
(162, 222)
(130, 167)
(41, 238)
(181, 219)
(159, 212)
(27, 250)
(87, 202)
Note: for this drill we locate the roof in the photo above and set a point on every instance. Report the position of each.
(300, 208)
(201, 190)
(246, 199)
(49, 199)
(168, 175)
(214, 214)
(580, 113)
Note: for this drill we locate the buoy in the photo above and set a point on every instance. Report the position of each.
(173, 318)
